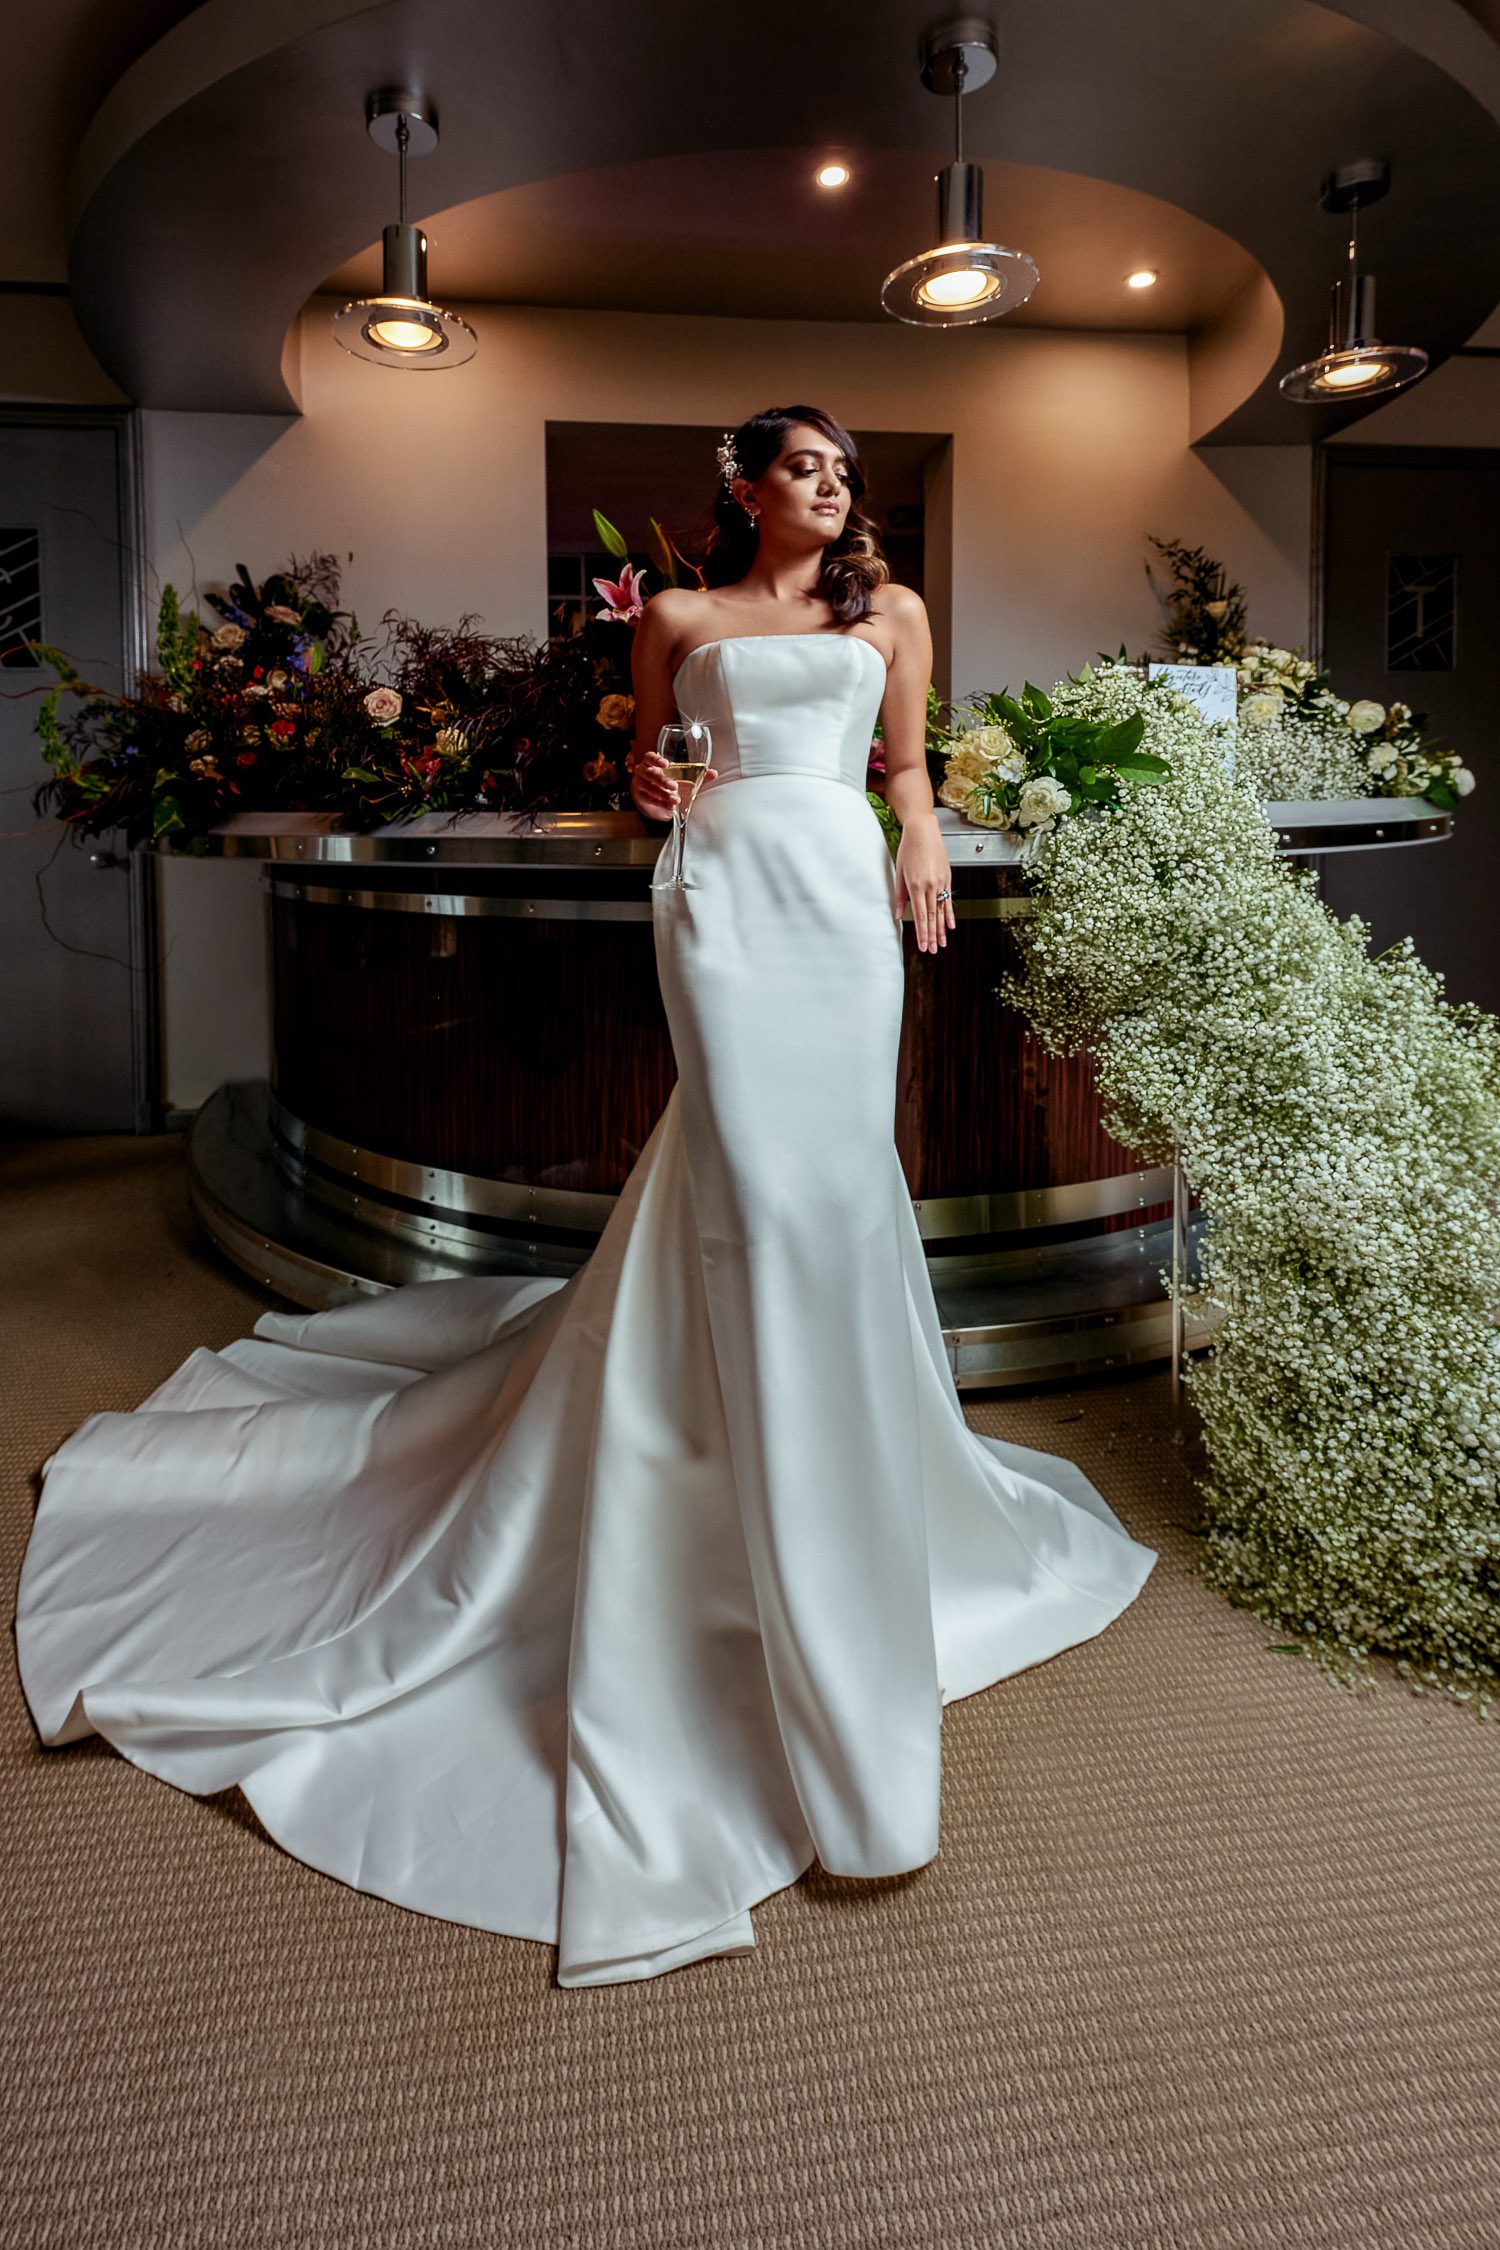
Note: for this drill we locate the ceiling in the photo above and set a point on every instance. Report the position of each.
(193, 175)
(650, 237)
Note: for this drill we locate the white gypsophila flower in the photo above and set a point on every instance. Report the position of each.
(1366, 715)
(1302, 753)
(1340, 1122)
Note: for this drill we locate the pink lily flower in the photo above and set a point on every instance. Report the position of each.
(622, 597)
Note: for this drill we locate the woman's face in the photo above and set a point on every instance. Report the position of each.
(804, 494)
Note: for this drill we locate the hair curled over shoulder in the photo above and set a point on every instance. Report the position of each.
(853, 566)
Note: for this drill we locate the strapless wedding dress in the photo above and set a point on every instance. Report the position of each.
(590, 1611)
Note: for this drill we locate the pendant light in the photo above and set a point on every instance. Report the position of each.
(964, 278)
(402, 327)
(1356, 364)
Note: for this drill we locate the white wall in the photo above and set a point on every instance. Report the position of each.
(1068, 449)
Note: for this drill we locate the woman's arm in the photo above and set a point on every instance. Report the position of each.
(655, 636)
(922, 868)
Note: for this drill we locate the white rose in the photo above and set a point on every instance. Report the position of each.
(384, 705)
(1365, 716)
(1463, 780)
(1262, 708)
(1382, 759)
(1040, 799)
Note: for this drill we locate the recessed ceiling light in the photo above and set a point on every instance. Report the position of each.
(831, 175)
(1145, 277)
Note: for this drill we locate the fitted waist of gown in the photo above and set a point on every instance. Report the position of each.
(732, 766)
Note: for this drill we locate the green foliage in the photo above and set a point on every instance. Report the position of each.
(1205, 621)
(177, 638)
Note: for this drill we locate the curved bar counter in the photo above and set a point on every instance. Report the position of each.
(469, 1051)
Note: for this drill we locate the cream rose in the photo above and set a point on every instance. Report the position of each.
(229, 636)
(1366, 716)
(383, 705)
(1263, 708)
(1463, 780)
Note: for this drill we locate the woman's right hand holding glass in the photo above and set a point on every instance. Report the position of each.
(652, 788)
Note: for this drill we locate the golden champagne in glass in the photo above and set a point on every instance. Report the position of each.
(688, 752)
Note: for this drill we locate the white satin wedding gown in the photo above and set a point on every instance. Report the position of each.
(590, 1611)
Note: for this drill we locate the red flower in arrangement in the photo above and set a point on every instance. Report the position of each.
(283, 729)
(244, 757)
(622, 596)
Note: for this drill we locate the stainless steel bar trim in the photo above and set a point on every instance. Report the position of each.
(623, 839)
(459, 1194)
(454, 1194)
(462, 904)
(1015, 1209)
(1382, 833)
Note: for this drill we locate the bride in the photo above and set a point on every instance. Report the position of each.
(591, 1611)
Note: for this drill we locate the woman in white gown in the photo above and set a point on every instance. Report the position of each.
(591, 1611)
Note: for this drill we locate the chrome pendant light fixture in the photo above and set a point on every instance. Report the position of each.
(1356, 364)
(964, 278)
(402, 327)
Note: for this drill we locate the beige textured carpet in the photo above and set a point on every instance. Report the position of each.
(1208, 1957)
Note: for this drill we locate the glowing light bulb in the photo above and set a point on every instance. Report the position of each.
(831, 175)
(964, 285)
(400, 335)
(1353, 374)
(1145, 277)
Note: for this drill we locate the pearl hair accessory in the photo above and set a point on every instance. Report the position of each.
(727, 462)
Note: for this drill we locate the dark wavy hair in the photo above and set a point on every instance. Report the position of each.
(853, 566)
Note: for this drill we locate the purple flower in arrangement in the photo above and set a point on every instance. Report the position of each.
(300, 647)
(622, 596)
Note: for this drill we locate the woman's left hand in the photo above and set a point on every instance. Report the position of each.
(922, 871)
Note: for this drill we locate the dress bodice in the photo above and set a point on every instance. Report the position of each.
(802, 703)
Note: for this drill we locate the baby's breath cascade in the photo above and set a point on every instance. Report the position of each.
(1340, 1121)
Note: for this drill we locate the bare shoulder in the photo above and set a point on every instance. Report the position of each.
(673, 607)
(903, 612)
(668, 620)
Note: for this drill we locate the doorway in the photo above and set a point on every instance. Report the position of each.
(77, 1048)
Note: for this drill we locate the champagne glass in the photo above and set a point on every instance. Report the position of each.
(688, 751)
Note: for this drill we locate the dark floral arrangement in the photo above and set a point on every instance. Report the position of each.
(282, 705)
